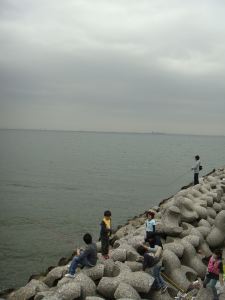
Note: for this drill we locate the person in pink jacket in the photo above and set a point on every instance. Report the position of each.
(214, 272)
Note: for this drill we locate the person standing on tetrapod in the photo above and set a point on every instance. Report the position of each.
(197, 167)
(105, 232)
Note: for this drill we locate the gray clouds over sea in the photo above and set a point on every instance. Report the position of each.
(113, 65)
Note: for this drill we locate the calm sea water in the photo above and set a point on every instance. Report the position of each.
(54, 187)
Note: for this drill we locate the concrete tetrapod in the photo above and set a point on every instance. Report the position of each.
(192, 260)
(125, 290)
(29, 290)
(170, 221)
(180, 275)
(54, 275)
(131, 253)
(95, 273)
(186, 206)
(139, 280)
(69, 291)
(216, 237)
(46, 295)
(118, 254)
(176, 247)
(88, 287)
(133, 240)
(190, 231)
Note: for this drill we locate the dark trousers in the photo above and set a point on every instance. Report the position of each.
(148, 261)
(105, 245)
(212, 283)
(196, 178)
(159, 282)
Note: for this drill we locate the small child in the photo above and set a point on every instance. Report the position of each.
(105, 232)
(149, 223)
(215, 272)
(88, 257)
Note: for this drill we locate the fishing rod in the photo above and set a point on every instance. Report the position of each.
(174, 180)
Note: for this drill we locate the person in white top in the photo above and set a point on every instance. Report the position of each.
(197, 167)
(150, 223)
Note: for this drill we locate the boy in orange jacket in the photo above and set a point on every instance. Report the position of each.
(105, 232)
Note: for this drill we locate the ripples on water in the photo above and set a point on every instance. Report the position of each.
(54, 186)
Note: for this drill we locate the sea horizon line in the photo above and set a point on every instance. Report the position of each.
(112, 132)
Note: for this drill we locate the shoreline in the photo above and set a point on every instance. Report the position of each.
(164, 214)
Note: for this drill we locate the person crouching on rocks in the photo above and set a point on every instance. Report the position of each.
(214, 273)
(149, 223)
(87, 257)
(152, 259)
(105, 232)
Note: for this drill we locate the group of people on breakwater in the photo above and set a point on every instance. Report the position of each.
(150, 255)
(88, 257)
(174, 249)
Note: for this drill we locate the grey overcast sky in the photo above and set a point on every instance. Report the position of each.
(121, 65)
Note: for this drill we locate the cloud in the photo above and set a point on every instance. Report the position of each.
(115, 65)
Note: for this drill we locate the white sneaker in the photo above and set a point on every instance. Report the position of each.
(70, 275)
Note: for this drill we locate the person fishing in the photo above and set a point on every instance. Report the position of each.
(196, 168)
